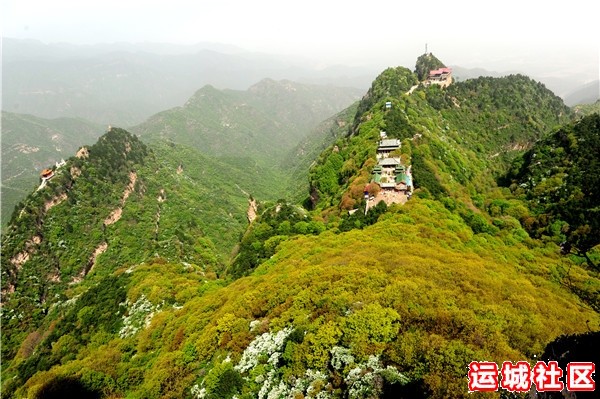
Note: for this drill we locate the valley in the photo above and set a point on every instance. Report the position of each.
(240, 127)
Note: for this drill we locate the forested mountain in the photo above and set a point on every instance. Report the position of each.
(170, 201)
(425, 63)
(278, 127)
(117, 203)
(30, 144)
(458, 140)
(259, 124)
(392, 301)
(263, 122)
(560, 177)
(587, 109)
(300, 159)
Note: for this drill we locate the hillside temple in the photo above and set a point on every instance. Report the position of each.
(441, 76)
(393, 178)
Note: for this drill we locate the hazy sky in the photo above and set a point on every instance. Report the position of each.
(469, 33)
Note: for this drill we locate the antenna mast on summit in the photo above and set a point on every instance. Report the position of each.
(425, 48)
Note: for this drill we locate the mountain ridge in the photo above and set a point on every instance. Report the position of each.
(278, 113)
(395, 303)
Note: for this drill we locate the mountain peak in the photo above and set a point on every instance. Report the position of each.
(425, 63)
(268, 85)
(202, 94)
(206, 89)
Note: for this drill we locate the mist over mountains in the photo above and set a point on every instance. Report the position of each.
(233, 224)
(260, 124)
(124, 83)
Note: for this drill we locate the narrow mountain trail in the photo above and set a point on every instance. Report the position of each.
(412, 89)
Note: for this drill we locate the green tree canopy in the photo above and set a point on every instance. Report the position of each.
(561, 178)
(426, 63)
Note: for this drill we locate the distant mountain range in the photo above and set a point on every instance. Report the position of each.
(588, 93)
(260, 124)
(125, 84)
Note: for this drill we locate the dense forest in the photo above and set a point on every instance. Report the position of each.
(177, 295)
(560, 179)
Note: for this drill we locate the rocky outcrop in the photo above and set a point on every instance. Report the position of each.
(116, 214)
(130, 186)
(252, 210)
(19, 259)
(100, 249)
(54, 201)
(75, 172)
(82, 153)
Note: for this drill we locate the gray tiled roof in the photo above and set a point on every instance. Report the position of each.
(389, 162)
(389, 143)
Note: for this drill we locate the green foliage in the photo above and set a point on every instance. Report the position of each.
(223, 382)
(393, 82)
(424, 175)
(275, 225)
(397, 122)
(479, 224)
(396, 302)
(503, 113)
(560, 177)
(300, 159)
(328, 175)
(587, 109)
(59, 228)
(180, 208)
(425, 63)
(417, 288)
(359, 219)
(367, 330)
(97, 310)
(458, 140)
